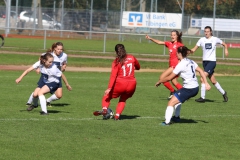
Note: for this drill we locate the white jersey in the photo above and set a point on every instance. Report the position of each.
(209, 47)
(186, 69)
(60, 60)
(51, 74)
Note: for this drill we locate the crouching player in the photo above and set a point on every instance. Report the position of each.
(122, 81)
(50, 82)
(186, 69)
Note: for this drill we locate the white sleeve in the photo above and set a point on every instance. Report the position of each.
(218, 41)
(199, 42)
(178, 68)
(195, 65)
(36, 65)
(65, 60)
(56, 71)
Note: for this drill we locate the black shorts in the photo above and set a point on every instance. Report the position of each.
(209, 66)
(184, 94)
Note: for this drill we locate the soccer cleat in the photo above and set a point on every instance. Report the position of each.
(31, 107)
(116, 118)
(165, 124)
(175, 119)
(171, 94)
(43, 113)
(104, 112)
(200, 100)
(48, 104)
(225, 97)
(28, 104)
(97, 113)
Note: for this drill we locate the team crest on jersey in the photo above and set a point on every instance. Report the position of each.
(174, 46)
(208, 45)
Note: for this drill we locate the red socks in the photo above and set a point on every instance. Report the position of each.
(178, 86)
(168, 86)
(120, 107)
(105, 101)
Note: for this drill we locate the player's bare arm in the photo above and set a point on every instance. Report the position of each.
(66, 82)
(225, 48)
(165, 79)
(204, 79)
(154, 40)
(24, 74)
(194, 49)
(63, 68)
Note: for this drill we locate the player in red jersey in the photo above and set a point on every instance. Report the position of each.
(176, 41)
(122, 81)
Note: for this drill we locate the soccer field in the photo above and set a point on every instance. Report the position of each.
(207, 131)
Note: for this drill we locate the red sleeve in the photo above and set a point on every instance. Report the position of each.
(137, 65)
(113, 75)
(167, 44)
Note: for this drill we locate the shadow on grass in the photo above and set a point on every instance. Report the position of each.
(49, 111)
(183, 120)
(55, 111)
(122, 117)
(59, 104)
(209, 100)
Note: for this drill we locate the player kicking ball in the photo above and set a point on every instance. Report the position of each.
(122, 81)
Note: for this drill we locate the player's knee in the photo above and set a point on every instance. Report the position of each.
(59, 96)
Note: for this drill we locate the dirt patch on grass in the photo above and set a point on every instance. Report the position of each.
(72, 69)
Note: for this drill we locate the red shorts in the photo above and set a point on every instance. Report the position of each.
(123, 87)
(173, 64)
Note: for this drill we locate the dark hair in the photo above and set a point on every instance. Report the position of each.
(179, 35)
(184, 51)
(121, 53)
(208, 27)
(54, 45)
(45, 57)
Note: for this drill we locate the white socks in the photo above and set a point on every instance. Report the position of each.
(168, 114)
(52, 98)
(203, 91)
(217, 85)
(177, 109)
(43, 103)
(30, 99)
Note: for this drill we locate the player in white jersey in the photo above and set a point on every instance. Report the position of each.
(50, 81)
(208, 44)
(186, 70)
(60, 59)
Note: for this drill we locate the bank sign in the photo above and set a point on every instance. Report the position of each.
(152, 20)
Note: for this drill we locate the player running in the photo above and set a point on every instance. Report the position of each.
(60, 60)
(49, 83)
(208, 44)
(176, 41)
(122, 81)
(186, 69)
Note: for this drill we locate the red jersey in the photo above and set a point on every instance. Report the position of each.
(172, 47)
(125, 71)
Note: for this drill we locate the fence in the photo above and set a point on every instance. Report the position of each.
(103, 41)
(90, 20)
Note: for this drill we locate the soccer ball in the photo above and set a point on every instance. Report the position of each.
(109, 114)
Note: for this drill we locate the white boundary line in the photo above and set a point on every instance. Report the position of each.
(87, 119)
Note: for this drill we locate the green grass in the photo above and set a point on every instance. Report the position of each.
(208, 131)
(78, 45)
(25, 59)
